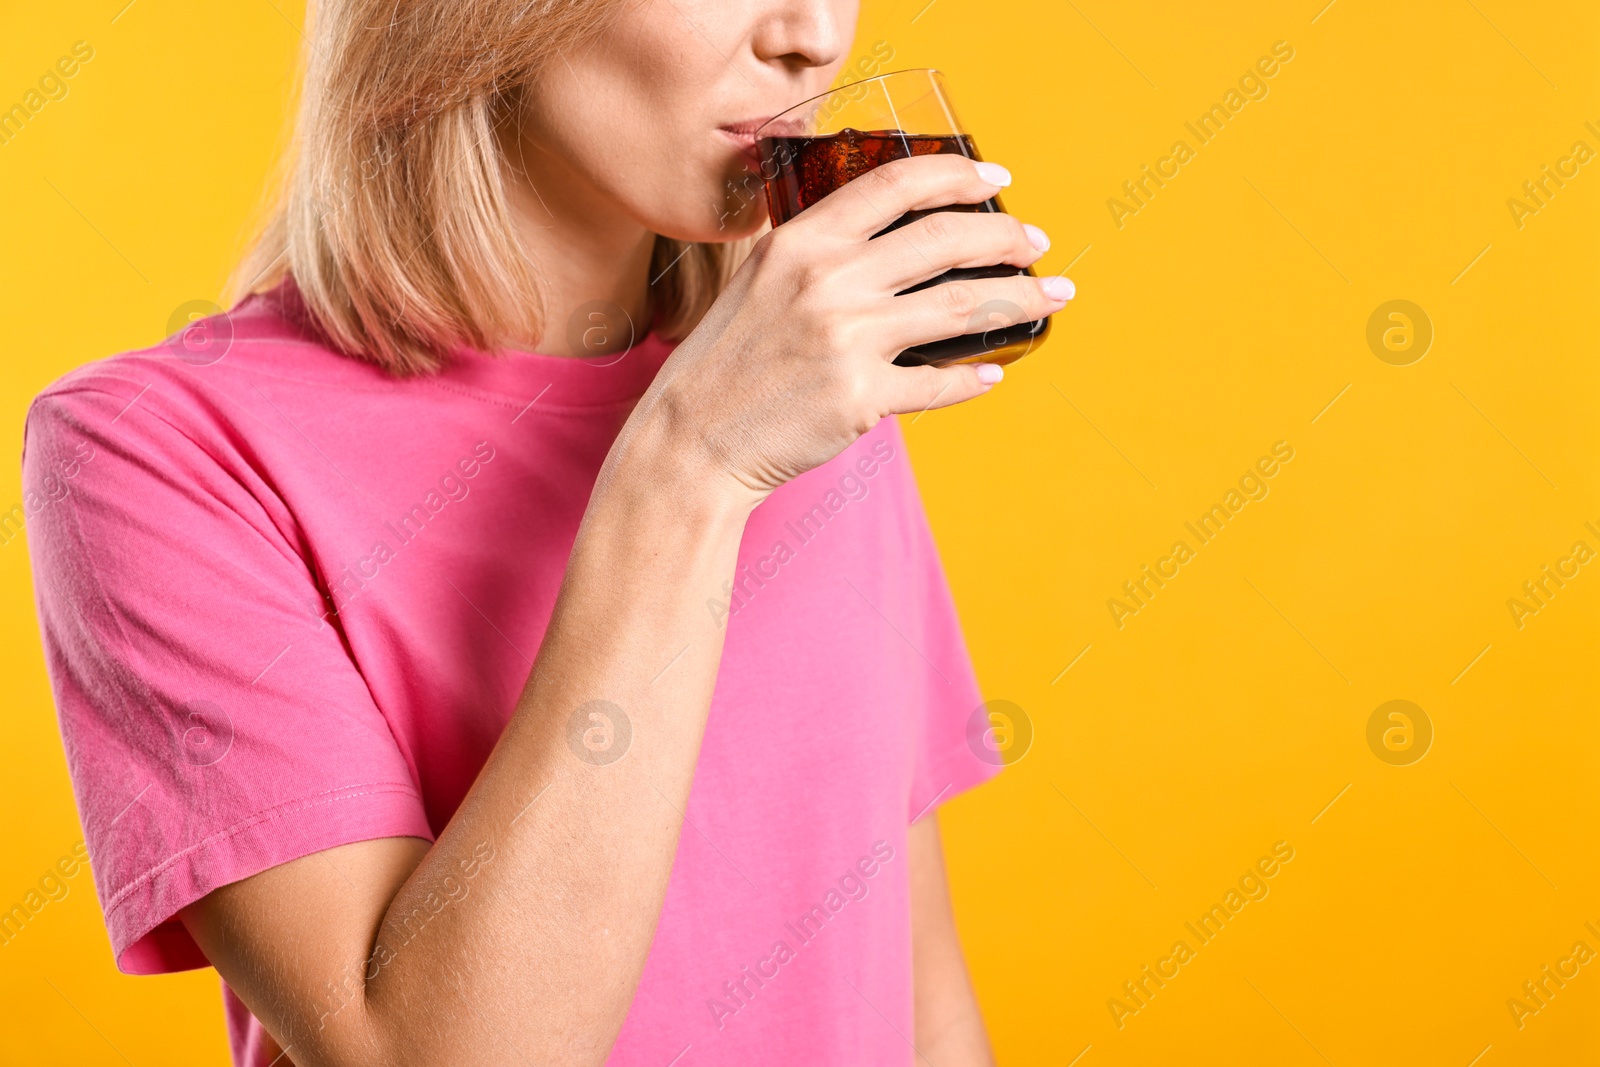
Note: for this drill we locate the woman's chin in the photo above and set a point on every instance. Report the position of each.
(734, 222)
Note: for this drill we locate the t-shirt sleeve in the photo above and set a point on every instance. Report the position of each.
(952, 753)
(214, 721)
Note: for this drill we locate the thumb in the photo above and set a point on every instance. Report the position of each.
(917, 389)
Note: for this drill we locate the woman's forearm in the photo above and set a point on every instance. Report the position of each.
(524, 928)
(582, 817)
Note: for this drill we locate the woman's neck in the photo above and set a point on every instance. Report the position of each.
(586, 250)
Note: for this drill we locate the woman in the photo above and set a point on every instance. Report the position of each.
(464, 702)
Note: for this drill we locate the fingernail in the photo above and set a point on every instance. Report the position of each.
(989, 373)
(1036, 237)
(1057, 287)
(994, 173)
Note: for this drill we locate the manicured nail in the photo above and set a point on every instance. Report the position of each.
(994, 173)
(989, 373)
(1036, 237)
(1057, 287)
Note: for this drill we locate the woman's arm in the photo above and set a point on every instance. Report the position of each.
(949, 1026)
(525, 926)
(521, 933)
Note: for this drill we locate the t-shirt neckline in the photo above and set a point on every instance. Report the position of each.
(570, 381)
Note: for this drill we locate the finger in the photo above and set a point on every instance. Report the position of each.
(918, 389)
(942, 240)
(865, 205)
(951, 309)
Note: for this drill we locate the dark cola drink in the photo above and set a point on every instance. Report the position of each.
(803, 170)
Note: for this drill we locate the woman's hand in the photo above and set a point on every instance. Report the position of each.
(794, 361)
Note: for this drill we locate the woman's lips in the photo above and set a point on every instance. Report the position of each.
(744, 143)
(743, 136)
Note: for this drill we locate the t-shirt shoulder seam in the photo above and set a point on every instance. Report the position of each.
(81, 387)
(288, 807)
(283, 543)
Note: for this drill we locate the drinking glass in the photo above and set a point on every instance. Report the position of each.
(820, 144)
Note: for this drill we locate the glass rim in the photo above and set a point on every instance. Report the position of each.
(935, 71)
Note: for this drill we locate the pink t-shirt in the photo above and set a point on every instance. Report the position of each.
(289, 603)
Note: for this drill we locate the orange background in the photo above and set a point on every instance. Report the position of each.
(1228, 313)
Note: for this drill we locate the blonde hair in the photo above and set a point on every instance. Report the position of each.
(390, 210)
